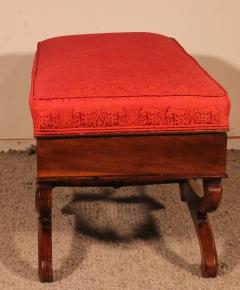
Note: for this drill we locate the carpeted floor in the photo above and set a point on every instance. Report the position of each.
(127, 238)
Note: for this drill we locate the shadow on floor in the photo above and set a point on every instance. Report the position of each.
(90, 210)
(145, 229)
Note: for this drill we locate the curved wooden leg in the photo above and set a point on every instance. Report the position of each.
(44, 209)
(199, 207)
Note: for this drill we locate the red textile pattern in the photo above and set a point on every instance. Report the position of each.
(122, 82)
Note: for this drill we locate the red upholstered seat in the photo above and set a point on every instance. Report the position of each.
(121, 83)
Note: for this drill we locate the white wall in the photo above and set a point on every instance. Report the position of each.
(208, 29)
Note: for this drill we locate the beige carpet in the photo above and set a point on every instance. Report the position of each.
(127, 238)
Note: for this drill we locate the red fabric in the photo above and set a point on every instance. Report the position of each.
(122, 82)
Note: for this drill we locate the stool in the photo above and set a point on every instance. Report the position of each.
(120, 109)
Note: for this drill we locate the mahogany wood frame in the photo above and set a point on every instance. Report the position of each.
(133, 160)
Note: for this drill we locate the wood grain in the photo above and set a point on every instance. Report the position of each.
(165, 156)
(43, 200)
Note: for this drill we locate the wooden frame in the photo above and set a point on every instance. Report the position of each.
(133, 160)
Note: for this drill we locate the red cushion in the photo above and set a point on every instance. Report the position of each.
(120, 83)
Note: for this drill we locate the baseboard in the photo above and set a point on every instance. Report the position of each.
(23, 144)
(234, 142)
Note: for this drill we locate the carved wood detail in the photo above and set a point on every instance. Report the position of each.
(199, 207)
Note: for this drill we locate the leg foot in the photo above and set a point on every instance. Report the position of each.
(44, 209)
(199, 207)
